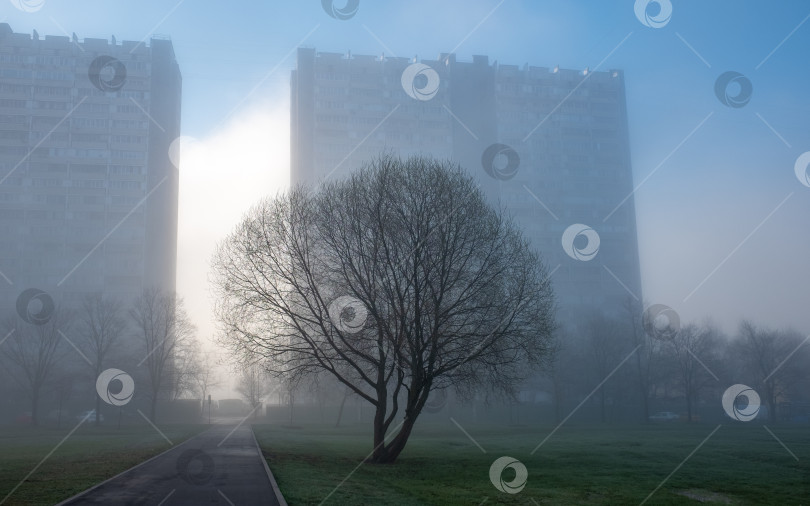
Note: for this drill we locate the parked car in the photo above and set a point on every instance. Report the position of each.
(90, 415)
(24, 419)
(664, 416)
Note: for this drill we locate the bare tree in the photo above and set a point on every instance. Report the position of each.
(345, 394)
(252, 385)
(774, 360)
(693, 354)
(557, 361)
(290, 385)
(397, 280)
(325, 388)
(63, 384)
(605, 344)
(646, 354)
(185, 364)
(205, 377)
(101, 325)
(163, 327)
(33, 350)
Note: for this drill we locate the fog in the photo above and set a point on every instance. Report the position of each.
(254, 147)
(700, 204)
(721, 214)
(349, 232)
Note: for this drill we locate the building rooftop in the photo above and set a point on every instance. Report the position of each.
(328, 57)
(7, 35)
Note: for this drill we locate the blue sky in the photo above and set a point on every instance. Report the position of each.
(723, 221)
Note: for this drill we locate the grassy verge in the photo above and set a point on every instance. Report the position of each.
(738, 464)
(87, 457)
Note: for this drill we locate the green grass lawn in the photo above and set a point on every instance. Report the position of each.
(597, 464)
(89, 456)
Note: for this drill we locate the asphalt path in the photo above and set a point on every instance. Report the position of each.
(223, 465)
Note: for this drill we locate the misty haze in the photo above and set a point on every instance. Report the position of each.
(352, 252)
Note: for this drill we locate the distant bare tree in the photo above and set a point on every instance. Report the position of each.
(102, 322)
(556, 369)
(185, 364)
(163, 328)
(344, 396)
(33, 352)
(774, 360)
(63, 383)
(290, 385)
(693, 353)
(605, 344)
(325, 388)
(397, 280)
(645, 356)
(252, 385)
(205, 377)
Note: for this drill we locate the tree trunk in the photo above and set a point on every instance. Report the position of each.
(378, 455)
(153, 409)
(340, 411)
(321, 411)
(35, 407)
(602, 414)
(386, 454)
(645, 399)
(98, 410)
(769, 394)
(397, 444)
(689, 408)
(558, 398)
(643, 389)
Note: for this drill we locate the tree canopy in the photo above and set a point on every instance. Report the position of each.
(397, 280)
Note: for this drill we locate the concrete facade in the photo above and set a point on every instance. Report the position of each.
(551, 145)
(88, 193)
